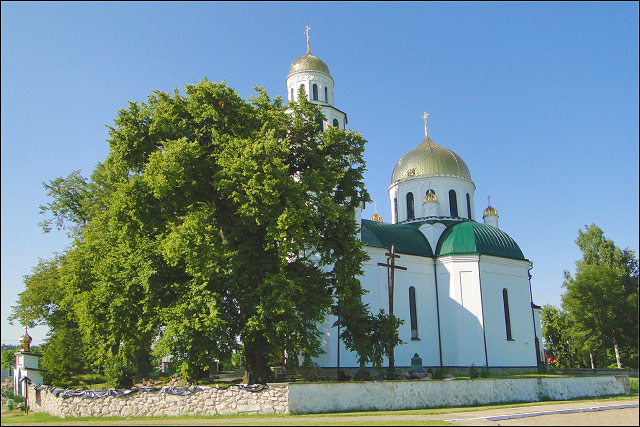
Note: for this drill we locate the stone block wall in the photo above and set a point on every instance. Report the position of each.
(210, 401)
(331, 397)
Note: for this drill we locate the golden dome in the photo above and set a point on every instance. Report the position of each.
(376, 217)
(431, 197)
(490, 211)
(429, 158)
(308, 63)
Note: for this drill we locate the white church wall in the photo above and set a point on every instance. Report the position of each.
(441, 185)
(497, 274)
(420, 275)
(460, 311)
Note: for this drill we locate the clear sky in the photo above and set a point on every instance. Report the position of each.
(539, 99)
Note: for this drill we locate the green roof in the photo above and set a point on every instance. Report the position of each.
(406, 239)
(471, 237)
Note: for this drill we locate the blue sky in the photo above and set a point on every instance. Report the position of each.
(539, 99)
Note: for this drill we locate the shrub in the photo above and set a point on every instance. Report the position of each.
(633, 385)
(11, 404)
(438, 374)
(119, 374)
(473, 372)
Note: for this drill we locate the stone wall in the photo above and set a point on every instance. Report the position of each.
(395, 395)
(210, 401)
(331, 397)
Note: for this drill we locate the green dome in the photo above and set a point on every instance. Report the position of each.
(429, 158)
(471, 237)
(308, 63)
(405, 238)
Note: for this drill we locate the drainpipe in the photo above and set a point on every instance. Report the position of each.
(533, 316)
(484, 325)
(435, 278)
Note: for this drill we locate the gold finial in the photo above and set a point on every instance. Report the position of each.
(490, 211)
(431, 196)
(424, 117)
(375, 216)
(307, 33)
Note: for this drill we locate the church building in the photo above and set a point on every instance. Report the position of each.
(461, 286)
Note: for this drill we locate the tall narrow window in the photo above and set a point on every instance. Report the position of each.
(468, 206)
(412, 313)
(453, 203)
(335, 123)
(326, 95)
(507, 318)
(395, 208)
(410, 212)
(315, 92)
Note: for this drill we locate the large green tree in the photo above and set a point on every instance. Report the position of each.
(603, 295)
(214, 224)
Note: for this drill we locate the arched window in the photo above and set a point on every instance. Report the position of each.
(453, 203)
(335, 123)
(291, 94)
(410, 212)
(326, 95)
(412, 313)
(507, 318)
(468, 206)
(315, 92)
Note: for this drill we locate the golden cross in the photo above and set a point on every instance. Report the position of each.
(307, 33)
(489, 199)
(424, 117)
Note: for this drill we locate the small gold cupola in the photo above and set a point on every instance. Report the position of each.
(375, 216)
(25, 342)
(490, 215)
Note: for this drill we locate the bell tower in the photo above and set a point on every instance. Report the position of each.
(312, 74)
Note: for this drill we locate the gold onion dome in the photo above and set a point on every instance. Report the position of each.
(375, 216)
(309, 63)
(490, 211)
(431, 197)
(25, 341)
(429, 158)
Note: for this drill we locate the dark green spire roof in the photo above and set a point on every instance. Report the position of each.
(406, 239)
(471, 237)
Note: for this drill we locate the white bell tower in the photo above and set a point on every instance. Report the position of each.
(312, 74)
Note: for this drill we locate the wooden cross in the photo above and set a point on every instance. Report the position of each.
(391, 266)
(307, 33)
(424, 117)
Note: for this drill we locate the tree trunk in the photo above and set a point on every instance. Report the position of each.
(617, 350)
(257, 370)
(593, 366)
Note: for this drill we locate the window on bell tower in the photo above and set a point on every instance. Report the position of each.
(315, 92)
(410, 211)
(336, 123)
(468, 206)
(453, 203)
(326, 95)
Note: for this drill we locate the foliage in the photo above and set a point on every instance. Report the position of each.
(8, 358)
(371, 337)
(602, 298)
(195, 189)
(119, 373)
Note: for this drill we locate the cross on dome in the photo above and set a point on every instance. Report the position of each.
(424, 117)
(307, 33)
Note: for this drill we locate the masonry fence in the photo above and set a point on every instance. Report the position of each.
(283, 398)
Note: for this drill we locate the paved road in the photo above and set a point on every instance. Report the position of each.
(593, 413)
